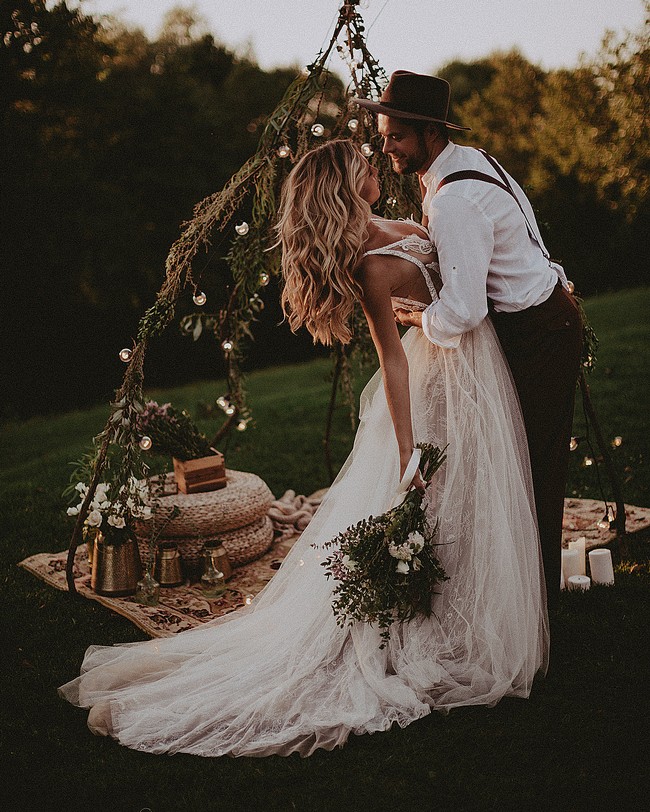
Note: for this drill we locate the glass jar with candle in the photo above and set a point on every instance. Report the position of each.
(213, 581)
(219, 556)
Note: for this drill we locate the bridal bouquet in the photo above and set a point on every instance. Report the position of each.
(385, 565)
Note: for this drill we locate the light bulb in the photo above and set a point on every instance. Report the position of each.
(588, 461)
(264, 278)
(126, 354)
(571, 286)
(199, 298)
(317, 130)
(146, 443)
(229, 410)
(227, 345)
(617, 442)
(222, 402)
(367, 150)
(604, 523)
(573, 444)
(284, 151)
(248, 600)
(242, 228)
(353, 124)
(241, 426)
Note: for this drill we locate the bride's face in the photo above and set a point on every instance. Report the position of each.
(370, 191)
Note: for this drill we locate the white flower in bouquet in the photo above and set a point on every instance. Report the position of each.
(94, 518)
(400, 551)
(348, 563)
(415, 541)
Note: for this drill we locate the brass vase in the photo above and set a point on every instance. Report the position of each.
(116, 567)
(168, 565)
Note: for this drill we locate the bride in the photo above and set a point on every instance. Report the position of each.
(280, 676)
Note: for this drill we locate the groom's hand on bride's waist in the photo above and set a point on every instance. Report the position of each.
(408, 318)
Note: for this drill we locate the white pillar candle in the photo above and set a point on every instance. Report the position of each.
(600, 566)
(579, 582)
(579, 545)
(570, 564)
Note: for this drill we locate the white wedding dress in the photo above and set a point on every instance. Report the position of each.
(280, 676)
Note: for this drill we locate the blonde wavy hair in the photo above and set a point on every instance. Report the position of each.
(322, 228)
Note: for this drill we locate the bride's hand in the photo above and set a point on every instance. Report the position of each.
(418, 483)
(411, 318)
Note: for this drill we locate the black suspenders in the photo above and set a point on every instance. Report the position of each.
(473, 174)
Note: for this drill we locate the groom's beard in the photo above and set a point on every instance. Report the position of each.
(408, 164)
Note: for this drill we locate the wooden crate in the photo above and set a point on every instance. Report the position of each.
(201, 475)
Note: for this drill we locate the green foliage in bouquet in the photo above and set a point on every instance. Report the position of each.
(172, 432)
(385, 566)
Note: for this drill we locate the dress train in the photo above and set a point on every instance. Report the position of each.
(280, 676)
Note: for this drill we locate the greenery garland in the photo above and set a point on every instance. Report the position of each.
(308, 112)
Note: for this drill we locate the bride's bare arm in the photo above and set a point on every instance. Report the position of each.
(377, 307)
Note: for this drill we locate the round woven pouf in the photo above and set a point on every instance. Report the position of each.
(236, 514)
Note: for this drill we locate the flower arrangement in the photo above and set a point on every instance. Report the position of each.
(172, 432)
(113, 516)
(385, 567)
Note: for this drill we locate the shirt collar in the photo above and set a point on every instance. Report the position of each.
(434, 175)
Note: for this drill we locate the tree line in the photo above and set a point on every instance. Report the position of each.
(109, 139)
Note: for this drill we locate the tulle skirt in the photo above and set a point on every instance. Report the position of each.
(280, 676)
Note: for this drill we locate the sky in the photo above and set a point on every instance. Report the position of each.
(416, 35)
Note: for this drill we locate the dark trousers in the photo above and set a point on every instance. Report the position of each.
(543, 345)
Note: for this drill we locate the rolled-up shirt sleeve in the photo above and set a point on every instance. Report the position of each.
(464, 238)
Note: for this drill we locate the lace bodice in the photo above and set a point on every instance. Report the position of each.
(409, 248)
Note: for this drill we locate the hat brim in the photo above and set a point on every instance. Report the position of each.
(385, 110)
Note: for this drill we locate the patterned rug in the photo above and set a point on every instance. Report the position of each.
(184, 607)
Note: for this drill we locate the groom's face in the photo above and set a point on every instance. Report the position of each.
(407, 148)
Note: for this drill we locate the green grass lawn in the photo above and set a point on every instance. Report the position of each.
(578, 743)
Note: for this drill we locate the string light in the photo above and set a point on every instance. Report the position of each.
(126, 354)
(248, 600)
(145, 443)
(241, 426)
(199, 298)
(284, 151)
(571, 286)
(317, 130)
(608, 519)
(588, 461)
(229, 410)
(353, 125)
(617, 442)
(367, 150)
(242, 228)
(227, 345)
(574, 443)
(222, 402)
(264, 278)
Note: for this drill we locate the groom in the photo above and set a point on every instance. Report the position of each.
(492, 261)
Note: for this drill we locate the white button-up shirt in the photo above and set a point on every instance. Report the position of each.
(484, 248)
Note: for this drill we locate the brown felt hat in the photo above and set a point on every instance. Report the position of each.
(416, 96)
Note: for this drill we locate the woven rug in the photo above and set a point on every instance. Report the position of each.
(184, 607)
